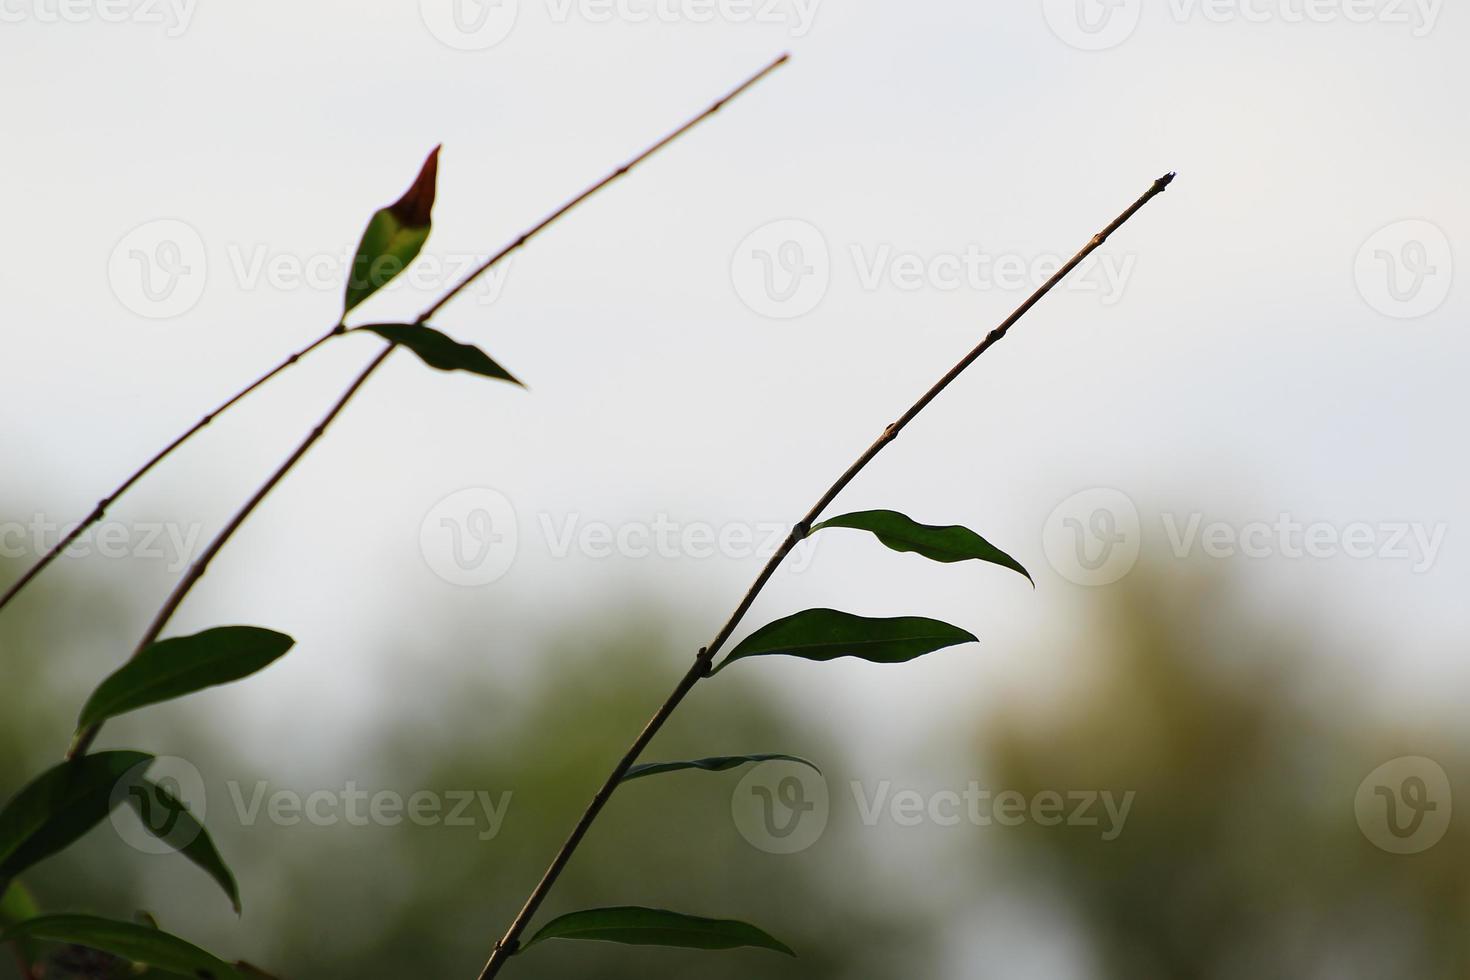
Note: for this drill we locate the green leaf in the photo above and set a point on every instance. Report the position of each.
(947, 544)
(718, 763)
(62, 804)
(393, 237)
(826, 634)
(168, 818)
(656, 927)
(17, 905)
(172, 668)
(136, 943)
(439, 351)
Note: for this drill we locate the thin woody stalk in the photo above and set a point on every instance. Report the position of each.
(704, 662)
(85, 738)
(102, 505)
(100, 510)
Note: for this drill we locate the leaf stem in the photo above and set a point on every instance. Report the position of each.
(87, 736)
(702, 665)
(99, 511)
(102, 505)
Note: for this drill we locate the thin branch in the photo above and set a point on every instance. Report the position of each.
(484, 267)
(196, 571)
(703, 663)
(621, 171)
(102, 505)
(85, 738)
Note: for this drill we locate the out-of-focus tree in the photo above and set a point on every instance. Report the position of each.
(1242, 855)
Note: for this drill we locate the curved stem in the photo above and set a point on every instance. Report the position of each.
(593, 189)
(703, 663)
(85, 738)
(196, 571)
(101, 509)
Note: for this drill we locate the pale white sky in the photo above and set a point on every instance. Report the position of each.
(1246, 361)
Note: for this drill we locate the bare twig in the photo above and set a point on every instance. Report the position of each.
(101, 509)
(703, 663)
(196, 571)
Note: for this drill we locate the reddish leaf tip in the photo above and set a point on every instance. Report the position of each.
(412, 209)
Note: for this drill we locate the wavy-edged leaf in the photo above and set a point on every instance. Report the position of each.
(717, 763)
(168, 818)
(182, 665)
(394, 237)
(132, 942)
(440, 351)
(637, 926)
(17, 905)
(947, 544)
(62, 804)
(826, 634)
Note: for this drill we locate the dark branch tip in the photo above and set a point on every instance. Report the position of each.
(1164, 181)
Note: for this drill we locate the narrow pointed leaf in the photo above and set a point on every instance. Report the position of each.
(62, 804)
(947, 544)
(173, 668)
(168, 818)
(130, 941)
(826, 634)
(393, 237)
(439, 351)
(656, 927)
(715, 764)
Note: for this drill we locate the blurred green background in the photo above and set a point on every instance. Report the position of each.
(1241, 854)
